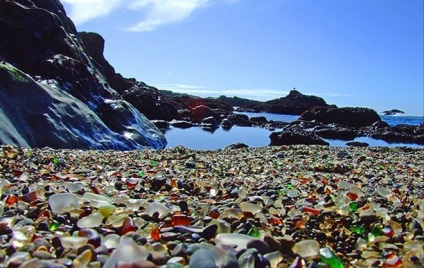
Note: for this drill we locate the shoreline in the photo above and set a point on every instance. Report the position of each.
(179, 205)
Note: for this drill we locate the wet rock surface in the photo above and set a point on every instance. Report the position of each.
(53, 92)
(283, 206)
(347, 116)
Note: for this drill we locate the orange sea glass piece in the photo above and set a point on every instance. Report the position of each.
(155, 234)
(11, 199)
(352, 196)
(178, 220)
(310, 210)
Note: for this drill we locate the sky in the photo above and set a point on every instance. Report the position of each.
(352, 53)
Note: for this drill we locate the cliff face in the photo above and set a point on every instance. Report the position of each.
(53, 93)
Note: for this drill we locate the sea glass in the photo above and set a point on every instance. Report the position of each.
(180, 220)
(306, 248)
(156, 207)
(127, 251)
(330, 258)
(127, 226)
(91, 221)
(392, 261)
(106, 210)
(73, 242)
(63, 202)
(311, 210)
(83, 260)
(97, 200)
(253, 231)
(92, 235)
(234, 240)
(155, 233)
(250, 207)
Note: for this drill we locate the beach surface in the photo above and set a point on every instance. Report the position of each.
(234, 207)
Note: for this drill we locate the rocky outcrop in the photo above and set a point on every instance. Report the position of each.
(295, 103)
(397, 134)
(393, 112)
(53, 93)
(147, 99)
(296, 137)
(348, 116)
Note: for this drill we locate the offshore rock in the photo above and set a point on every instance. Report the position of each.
(347, 116)
(294, 103)
(51, 89)
(400, 133)
(296, 133)
(393, 112)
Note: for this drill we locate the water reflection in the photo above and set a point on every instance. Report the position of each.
(199, 139)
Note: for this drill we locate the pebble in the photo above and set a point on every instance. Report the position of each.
(202, 258)
(259, 207)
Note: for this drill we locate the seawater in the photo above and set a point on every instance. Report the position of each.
(198, 139)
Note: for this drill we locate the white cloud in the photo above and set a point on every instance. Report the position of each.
(82, 11)
(153, 13)
(262, 94)
(161, 12)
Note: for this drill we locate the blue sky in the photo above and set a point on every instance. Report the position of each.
(366, 53)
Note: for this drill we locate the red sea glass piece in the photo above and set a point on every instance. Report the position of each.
(17, 172)
(128, 226)
(178, 220)
(275, 220)
(311, 210)
(11, 199)
(155, 234)
(352, 196)
(95, 189)
(297, 263)
(29, 198)
(214, 214)
(92, 235)
(392, 261)
(131, 182)
(44, 214)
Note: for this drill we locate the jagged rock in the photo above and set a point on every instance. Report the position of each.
(238, 145)
(393, 112)
(148, 100)
(181, 124)
(348, 116)
(95, 45)
(259, 119)
(210, 121)
(294, 103)
(161, 124)
(58, 90)
(295, 137)
(198, 113)
(336, 133)
(395, 134)
(226, 123)
(240, 120)
(356, 144)
(398, 137)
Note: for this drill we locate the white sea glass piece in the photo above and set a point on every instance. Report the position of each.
(63, 202)
(127, 251)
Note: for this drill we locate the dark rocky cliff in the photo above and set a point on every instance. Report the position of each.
(52, 93)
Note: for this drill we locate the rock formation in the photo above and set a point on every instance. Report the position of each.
(295, 103)
(147, 99)
(393, 112)
(347, 116)
(53, 93)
